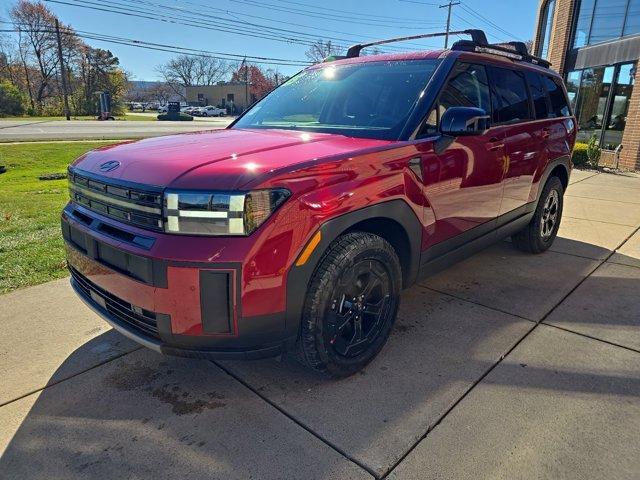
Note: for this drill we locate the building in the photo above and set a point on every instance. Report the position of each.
(231, 95)
(595, 45)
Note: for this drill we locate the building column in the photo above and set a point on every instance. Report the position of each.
(561, 34)
(563, 15)
(630, 155)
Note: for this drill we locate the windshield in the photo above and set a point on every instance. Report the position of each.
(370, 100)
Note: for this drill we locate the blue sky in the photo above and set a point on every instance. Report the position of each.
(347, 21)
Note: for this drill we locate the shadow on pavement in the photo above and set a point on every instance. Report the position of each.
(145, 415)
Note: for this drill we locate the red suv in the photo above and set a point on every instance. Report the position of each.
(297, 227)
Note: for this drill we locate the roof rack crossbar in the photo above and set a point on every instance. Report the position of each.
(515, 50)
(477, 36)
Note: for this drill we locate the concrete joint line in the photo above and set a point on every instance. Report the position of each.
(69, 377)
(296, 421)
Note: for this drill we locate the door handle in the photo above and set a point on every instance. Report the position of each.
(494, 144)
(546, 133)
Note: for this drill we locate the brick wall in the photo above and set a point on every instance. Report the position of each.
(630, 155)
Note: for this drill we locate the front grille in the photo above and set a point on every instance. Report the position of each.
(138, 205)
(139, 318)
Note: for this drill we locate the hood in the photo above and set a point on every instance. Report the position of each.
(215, 159)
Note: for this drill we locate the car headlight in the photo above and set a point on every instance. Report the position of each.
(219, 213)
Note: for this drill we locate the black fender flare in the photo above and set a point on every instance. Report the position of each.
(299, 277)
(564, 161)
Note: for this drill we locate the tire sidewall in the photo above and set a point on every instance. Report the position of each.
(374, 248)
(553, 183)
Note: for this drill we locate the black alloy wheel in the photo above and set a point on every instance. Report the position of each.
(351, 304)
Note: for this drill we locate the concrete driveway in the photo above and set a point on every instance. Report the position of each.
(43, 130)
(504, 366)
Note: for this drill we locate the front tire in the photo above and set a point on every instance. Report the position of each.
(351, 304)
(540, 233)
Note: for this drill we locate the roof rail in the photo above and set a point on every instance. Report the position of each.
(515, 50)
(477, 37)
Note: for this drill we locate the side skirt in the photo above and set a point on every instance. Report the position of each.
(508, 224)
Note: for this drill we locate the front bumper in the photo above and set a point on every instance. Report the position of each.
(159, 346)
(174, 307)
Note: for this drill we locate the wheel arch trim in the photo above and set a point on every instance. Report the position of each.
(299, 277)
(563, 161)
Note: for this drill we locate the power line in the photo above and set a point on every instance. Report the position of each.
(311, 37)
(489, 22)
(258, 32)
(141, 10)
(354, 13)
(473, 25)
(306, 13)
(110, 8)
(235, 14)
(168, 48)
(420, 3)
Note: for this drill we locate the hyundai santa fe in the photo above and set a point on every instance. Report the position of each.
(296, 228)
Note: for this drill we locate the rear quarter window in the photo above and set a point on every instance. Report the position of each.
(559, 104)
(538, 95)
(509, 96)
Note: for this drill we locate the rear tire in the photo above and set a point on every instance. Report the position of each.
(351, 304)
(540, 233)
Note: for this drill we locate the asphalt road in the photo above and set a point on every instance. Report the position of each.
(504, 366)
(33, 130)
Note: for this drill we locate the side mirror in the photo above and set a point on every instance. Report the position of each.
(460, 121)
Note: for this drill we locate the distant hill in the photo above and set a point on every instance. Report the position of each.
(140, 84)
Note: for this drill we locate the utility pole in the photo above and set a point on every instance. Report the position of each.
(448, 6)
(62, 74)
(246, 84)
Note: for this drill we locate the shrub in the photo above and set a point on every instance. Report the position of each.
(579, 156)
(182, 118)
(593, 152)
(10, 99)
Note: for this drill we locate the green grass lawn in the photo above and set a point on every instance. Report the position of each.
(31, 246)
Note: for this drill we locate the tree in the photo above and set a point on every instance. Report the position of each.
(98, 70)
(259, 82)
(35, 24)
(191, 70)
(160, 92)
(10, 99)
(321, 49)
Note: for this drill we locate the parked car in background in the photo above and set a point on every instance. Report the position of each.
(211, 111)
(297, 227)
(163, 108)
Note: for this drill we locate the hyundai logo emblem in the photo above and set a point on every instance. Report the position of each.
(109, 166)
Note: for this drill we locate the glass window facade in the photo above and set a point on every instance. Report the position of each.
(547, 25)
(600, 98)
(602, 20)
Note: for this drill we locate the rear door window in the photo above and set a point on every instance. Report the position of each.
(559, 104)
(509, 96)
(467, 87)
(538, 95)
